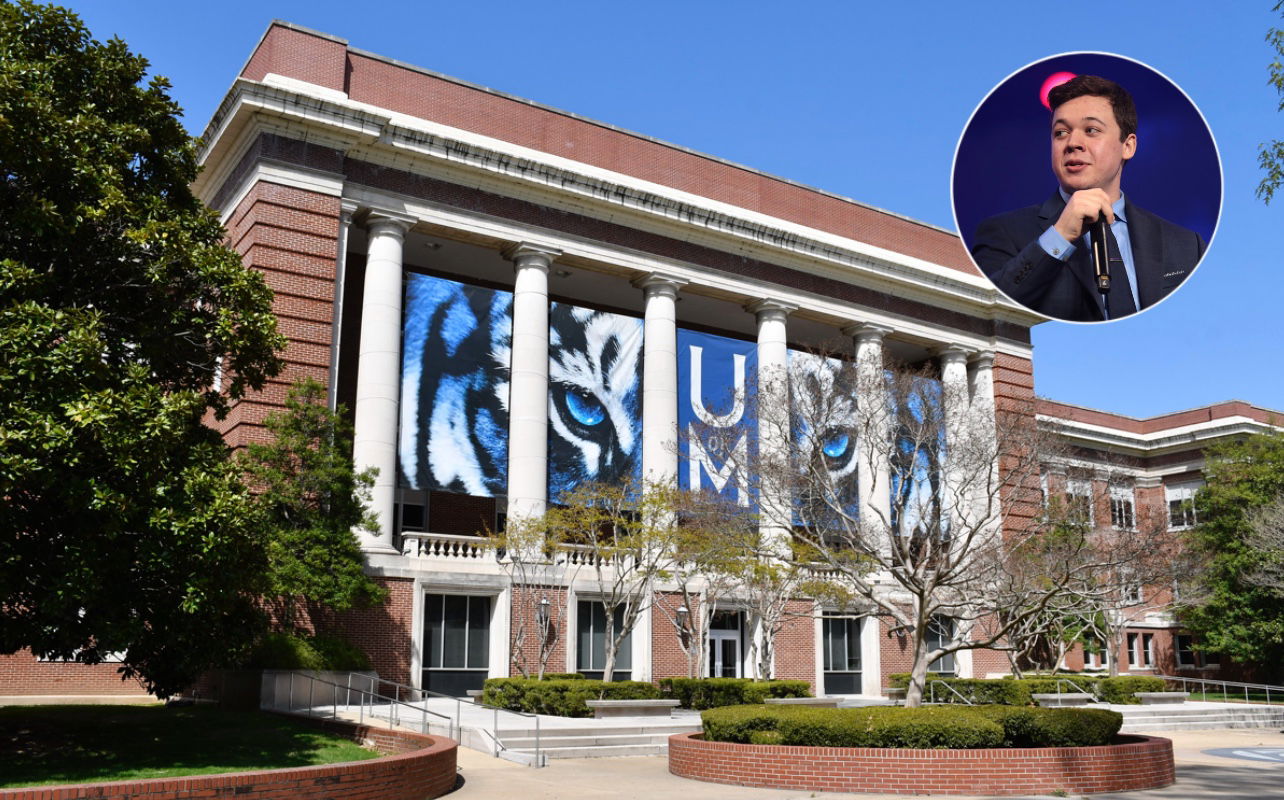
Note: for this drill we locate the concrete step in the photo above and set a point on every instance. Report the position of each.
(599, 741)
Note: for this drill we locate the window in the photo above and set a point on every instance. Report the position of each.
(1132, 594)
(1095, 654)
(1121, 509)
(590, 657)
(841, 643)
(1188, 656)
(1141, 650)
(456, 642)
(940, 632)
(1079, 501)
(1181, 504)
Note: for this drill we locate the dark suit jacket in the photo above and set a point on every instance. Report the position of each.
(1007, 250)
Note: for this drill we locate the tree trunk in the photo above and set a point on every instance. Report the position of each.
(918, 673)
(611, 646)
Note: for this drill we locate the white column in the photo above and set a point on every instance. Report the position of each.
(660, 379)
(528, 388)
(346, 211)
(374, 440)
(984, 425)
(773, 425)
(959, 451)
(873, 440)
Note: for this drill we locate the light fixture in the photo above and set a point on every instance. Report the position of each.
(684, 614)
(541, 613)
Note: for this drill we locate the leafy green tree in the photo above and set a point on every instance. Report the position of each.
(1270, 155)
(124, 323)
(312, 499)
(1236, 614)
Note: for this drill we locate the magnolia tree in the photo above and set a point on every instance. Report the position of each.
(925, 505)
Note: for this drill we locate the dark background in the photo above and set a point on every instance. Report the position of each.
(1004, 156)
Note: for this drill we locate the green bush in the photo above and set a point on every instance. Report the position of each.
(290, 651)
(955, 727)
(702, 693)
(977, 691)
(562, 697)
(1119, 690)
(339, 654)
(563, 676)
(1054, 727)
(901, 680)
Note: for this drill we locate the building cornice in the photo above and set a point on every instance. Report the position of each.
(325, 117)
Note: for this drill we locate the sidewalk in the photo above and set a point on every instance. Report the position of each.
(1199, 776)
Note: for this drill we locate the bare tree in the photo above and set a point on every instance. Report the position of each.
(927, 505)
(621, 536)
(538, 573)
(1266, 542)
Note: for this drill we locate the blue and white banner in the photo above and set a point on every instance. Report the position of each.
(717, 420)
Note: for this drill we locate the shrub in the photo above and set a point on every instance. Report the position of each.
(339, 654)
(1054, 727)
(702, 693)
(284, 651)
(1004, 691)
(1119, 690)
(563, 697)
(956, 727)
(901, 680)
(563, 676)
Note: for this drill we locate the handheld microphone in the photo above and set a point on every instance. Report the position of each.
(1100, 254)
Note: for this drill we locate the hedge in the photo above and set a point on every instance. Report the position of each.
(937, 727)
(702, 693)
(1119, 690)
(291, 651)
(562, 697)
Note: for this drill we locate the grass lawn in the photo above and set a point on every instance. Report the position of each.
(79, 744)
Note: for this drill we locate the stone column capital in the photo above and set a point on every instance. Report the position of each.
(983, 359)
(952, 353)
(1148, 482)
(866, 332)
(768, 308)
(525, 254)
(660, 283)
(347, 211)
(388, 223)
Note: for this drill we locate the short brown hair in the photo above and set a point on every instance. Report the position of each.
(1097, 86)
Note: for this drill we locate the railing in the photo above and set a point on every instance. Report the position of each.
(366, 701)
(441, 545)
(931, 687)
(493, 733)
(1076, 686)
(1203, 685)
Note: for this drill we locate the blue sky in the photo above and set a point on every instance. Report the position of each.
(867, 102)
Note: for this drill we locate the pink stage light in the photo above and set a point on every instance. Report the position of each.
(1051, 82)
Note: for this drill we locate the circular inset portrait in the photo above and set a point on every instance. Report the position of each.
(1087, 187)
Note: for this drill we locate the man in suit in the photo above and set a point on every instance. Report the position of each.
(1040, 256)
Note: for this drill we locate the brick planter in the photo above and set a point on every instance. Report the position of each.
(1136, 762)
(415, 767)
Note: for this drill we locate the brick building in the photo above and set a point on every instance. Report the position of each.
(512, 299)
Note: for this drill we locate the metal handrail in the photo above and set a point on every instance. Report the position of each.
(1075, 685)
(931, 685)
(1204, 683)
(494, 735)
(363, 694)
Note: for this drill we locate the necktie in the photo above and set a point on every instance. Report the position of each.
(1118, 302)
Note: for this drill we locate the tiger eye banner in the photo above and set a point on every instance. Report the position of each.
(456, 349)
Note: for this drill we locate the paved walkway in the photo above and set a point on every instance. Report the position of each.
(1198, 776)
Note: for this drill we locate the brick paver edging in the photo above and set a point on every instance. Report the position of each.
(415, 767)
(1135, 762)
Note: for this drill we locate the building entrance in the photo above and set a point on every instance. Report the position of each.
(725, 644)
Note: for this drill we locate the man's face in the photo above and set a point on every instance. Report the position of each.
(1086, 151)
